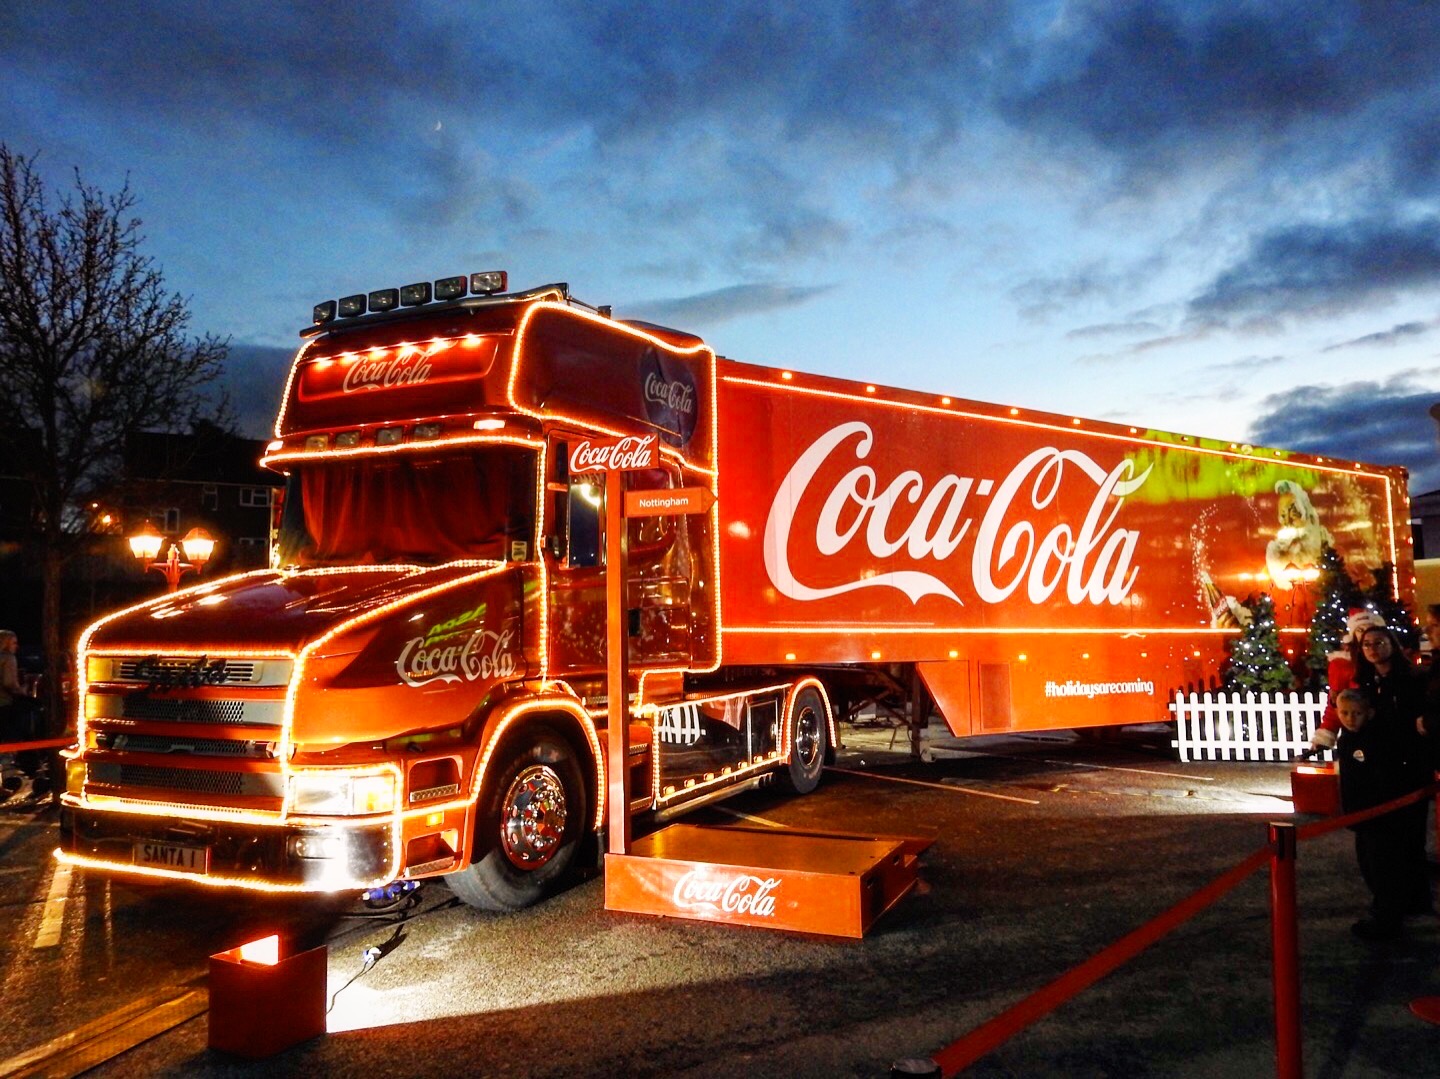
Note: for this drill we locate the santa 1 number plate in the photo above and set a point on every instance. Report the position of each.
(172, 856)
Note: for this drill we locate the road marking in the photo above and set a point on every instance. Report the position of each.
(750, 816)
(54, 915)
(937, 786)
(1079, 764)
(1141, 771)
(110, 1035)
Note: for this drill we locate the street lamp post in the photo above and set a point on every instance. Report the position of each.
(197, 547)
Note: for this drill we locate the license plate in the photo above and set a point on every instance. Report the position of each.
(172, 856)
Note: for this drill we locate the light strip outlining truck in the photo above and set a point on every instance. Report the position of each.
(417, 687)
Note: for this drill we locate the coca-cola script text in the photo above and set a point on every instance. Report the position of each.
(1093, 561)
(740, 893)
(633, 451)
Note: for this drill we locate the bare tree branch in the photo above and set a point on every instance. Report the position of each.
(93, 349)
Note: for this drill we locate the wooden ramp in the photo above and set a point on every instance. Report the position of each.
(830, 883)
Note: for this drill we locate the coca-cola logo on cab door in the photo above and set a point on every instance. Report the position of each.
(1092, 562)
(614, 454)
(483, 656)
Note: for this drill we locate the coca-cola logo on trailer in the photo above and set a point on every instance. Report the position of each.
(612, 455)
(740, 893)
(1093, 562)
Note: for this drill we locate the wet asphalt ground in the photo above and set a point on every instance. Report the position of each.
(1048, 848)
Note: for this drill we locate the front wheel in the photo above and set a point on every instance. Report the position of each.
(529, 823)
(809, 736)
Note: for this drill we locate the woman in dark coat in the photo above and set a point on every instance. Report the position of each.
(1382, 757)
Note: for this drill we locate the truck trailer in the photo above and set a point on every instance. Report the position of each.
(416, 687)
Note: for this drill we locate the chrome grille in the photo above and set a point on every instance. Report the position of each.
(236, 670)
(200, 747)
(121, 777)
(189, 710)
(181, 672)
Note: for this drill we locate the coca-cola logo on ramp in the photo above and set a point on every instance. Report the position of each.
(740, 893)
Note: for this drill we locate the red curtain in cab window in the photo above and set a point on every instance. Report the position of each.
(436, 510)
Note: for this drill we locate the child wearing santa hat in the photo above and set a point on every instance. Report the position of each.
(1340, 672)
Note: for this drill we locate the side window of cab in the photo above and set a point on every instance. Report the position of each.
(575, 533)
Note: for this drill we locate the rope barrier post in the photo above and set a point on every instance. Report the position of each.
(1285, 951)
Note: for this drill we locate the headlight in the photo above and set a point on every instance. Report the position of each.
(74, 775)
(342, 794)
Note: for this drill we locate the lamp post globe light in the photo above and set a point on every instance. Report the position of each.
(197, 546)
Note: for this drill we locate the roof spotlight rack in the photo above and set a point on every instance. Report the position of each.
(446, 293)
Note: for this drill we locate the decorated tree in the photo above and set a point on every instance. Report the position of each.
(1256, 662)
(1338, 596)
(1397, 615)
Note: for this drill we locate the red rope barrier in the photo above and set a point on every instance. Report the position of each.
(960, 1055)
(1321, 827)
(987, 1037)
(49, 743)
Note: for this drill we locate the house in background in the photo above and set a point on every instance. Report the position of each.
(206, 479)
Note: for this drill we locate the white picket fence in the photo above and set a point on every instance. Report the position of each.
(1245, 726)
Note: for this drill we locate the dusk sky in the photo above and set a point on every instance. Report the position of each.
(1218, 219)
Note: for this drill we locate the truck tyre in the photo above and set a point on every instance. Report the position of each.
(529, 823)
(808, 737)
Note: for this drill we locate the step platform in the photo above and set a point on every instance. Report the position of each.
(827, 883)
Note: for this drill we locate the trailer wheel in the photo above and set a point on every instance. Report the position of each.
(529, 823)
(808, 737)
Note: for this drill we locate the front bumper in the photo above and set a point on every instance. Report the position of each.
(338, 857)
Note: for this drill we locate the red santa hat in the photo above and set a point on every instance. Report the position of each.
(1359, 620)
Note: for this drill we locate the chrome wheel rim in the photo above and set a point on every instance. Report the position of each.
(807, 739)
(532, 817)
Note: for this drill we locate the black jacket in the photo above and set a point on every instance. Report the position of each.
(1382, 760)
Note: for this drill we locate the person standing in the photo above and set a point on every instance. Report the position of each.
(1431, 719)
(1399, 762)
(17, 708)
(1340, 673)
(1371, 752)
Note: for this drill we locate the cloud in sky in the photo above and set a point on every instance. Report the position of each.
(1378, 422)
(1404, 331)
(1175, 183)
(1305, 269)
(708, 308)
(254, 379)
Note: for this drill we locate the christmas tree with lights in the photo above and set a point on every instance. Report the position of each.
(1256, 663)
(1338, 597)
(1381, 598)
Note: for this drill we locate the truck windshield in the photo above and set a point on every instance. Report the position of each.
(408, 508)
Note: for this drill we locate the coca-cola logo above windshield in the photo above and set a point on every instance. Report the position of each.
(407, 366)
(614, 454)
(861, 518)
(670, 402)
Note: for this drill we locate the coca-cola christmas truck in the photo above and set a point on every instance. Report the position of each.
(417, 687)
